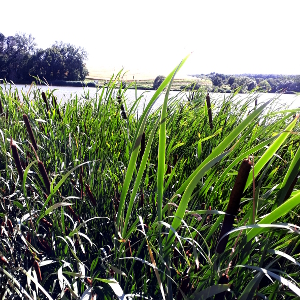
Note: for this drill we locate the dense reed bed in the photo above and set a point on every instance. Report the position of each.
(99, 201)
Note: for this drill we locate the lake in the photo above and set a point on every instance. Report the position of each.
(63, 94)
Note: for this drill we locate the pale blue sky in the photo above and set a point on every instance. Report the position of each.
(232, 36)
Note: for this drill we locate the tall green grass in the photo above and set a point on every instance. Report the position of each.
(93, 217)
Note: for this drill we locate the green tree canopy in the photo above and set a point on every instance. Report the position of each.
(20, 60)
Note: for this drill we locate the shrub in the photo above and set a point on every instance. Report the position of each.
(158, 81)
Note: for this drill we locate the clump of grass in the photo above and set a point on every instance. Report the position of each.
(157, 205)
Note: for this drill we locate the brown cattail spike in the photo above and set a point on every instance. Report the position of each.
(209, 111)
(29, 130)
(45, 100)
(128, 249)
(142, 145)
(37, 270)
(46, 223)
(10, 226)
(73, 213)
(44, 175)
(234, 202)
(90, 194)
(16, 158)
(44, 245)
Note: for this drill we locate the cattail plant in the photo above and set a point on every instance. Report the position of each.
(45, 100)
(142, 145)
(44, 175)
(209, 111)
(46, 223)
(37, 270)
(44, 245)
(90, 194)
(10, 226)
(16, 158)
(72, 212)
(234, 203)
(29, 130)
(128, 249)
(123, 112)
(55, 105)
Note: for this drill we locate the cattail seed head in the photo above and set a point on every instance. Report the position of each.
(28, 238)
(16, 158)
(37, 270)
(128, 249)
(73, 213)
(44, 245)
(45, 100)
(142, 199)
(209, 111)
(10, 226)
(123, 112)
(46, 223)
(29, 130)
(175, 160)
(142, 145)
(90, 194)
(238, 188)
(44, 175)
(234, 203)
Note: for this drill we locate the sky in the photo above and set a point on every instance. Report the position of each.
(151, 37)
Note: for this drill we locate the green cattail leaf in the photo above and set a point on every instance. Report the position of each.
(139, 177)
(137, 140)
(281, 279)
(211, 291)
(224, 144)
(271, 151)
(289, 178)
(279, 212)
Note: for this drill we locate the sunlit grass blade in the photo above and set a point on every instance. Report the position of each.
(271, 151)
(137, 140)
(280, 211)
(225, 143)
(281, 279)
(139, 177)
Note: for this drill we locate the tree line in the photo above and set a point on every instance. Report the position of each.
(20, 60)
(247, 82)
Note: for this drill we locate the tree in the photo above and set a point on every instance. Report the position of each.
(217, 80)
(158, 81)
(265, 86)
(20, 60)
